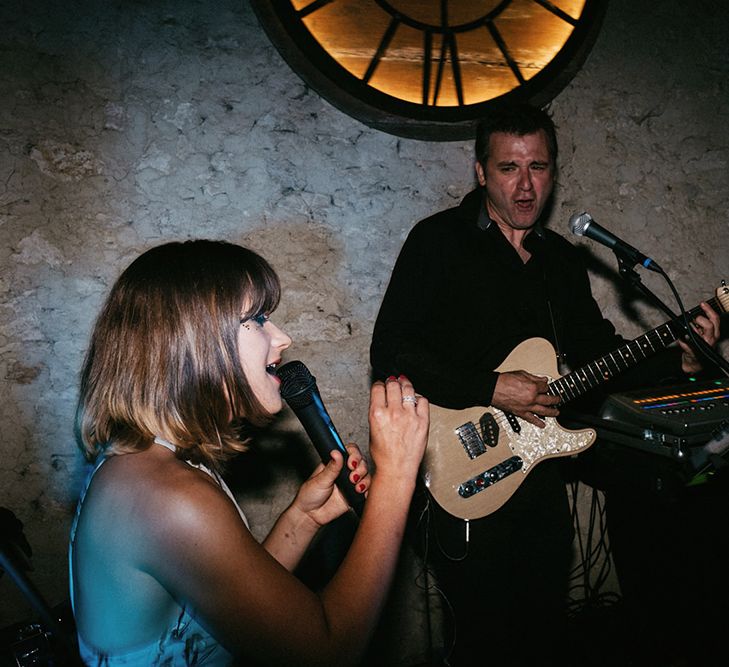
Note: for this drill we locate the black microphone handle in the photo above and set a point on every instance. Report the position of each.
(324, 441)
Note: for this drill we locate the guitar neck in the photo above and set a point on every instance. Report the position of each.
(576, 383)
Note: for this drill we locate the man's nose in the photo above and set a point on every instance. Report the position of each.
(525, 180)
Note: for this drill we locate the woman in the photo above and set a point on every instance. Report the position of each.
(164, 570)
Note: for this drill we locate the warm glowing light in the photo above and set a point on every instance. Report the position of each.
(439, 53)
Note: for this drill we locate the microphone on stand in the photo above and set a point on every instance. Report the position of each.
(299, 390)
(582, 224)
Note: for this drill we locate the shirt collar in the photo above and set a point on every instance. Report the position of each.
(484, 221)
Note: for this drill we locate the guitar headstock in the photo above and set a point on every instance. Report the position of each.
(722, 296)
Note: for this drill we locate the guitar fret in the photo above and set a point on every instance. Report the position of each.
(655, 339)
(586, 383)
(629, 351)
(581, 378)
(596, 376)
(636, 350)
(668, 335)
(564, 394)
(603, 369)
(570, 387)
(610, 356)
(620, 358)
(592, 374)
(554, 389)
(567, 388)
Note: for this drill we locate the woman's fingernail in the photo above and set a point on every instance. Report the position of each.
(391, 377)
(355, 477)
(403, 377)
(361, 488)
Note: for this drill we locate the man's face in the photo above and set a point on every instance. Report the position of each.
(518, 177)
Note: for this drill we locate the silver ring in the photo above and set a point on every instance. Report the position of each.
(410, 399)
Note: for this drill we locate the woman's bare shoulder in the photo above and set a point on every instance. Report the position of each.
(151, 498)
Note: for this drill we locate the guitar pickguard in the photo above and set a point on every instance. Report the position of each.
(534, 444)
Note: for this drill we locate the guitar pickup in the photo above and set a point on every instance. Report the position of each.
(489, 429)
(513, 422)
(491, 476)
(475, 440)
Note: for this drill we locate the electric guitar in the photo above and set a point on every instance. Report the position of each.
(478, 457)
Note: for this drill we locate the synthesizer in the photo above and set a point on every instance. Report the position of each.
(692, 410)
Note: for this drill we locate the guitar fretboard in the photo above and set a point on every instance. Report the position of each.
(576, 383)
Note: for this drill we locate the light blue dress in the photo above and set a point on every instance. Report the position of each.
(186, 643)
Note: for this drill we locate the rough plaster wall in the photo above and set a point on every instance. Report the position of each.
(127, 124)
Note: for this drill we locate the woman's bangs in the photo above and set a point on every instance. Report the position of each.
(261, 289)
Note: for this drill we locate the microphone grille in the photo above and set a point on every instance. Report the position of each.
(297, 383)
(579, 223)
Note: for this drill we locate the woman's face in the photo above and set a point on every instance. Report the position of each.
(260, 344)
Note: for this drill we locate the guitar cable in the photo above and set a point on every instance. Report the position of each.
(427, 582)
(585, 589)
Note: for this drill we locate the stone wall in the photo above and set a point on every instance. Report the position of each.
(128, 124)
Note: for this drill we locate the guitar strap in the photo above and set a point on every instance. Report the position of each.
(561, 356)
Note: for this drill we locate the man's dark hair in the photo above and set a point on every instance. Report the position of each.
(518, 119)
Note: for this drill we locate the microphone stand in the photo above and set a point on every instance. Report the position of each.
(626, 268)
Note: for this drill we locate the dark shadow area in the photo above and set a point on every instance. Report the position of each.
(48, 637)
(262, 464)
(628, 298)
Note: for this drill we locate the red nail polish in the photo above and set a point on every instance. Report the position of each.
(361, 488)
(355, 478)
(353, 464)
(391, 377)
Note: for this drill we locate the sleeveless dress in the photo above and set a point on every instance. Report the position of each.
(186, 643)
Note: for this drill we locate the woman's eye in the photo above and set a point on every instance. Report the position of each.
(260, 319)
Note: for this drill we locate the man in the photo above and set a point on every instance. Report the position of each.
(470, 284)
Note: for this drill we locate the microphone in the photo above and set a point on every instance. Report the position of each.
(582, 224)
(299, 390)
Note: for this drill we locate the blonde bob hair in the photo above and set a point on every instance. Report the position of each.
(164, 359)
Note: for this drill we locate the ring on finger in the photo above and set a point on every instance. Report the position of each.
(410, 399)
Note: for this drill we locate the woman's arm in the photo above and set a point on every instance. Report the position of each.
(203, 554)
(317, 503)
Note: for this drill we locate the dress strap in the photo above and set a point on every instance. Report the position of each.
(161, 441)
(218, 479)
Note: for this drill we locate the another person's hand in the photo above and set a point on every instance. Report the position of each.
(707, 326)
(525, 395)
(319, 498)
(399, 420)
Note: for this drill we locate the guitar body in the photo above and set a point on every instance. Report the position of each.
(471, 476)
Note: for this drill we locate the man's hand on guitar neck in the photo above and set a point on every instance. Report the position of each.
(524, 395)
(708, 328)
